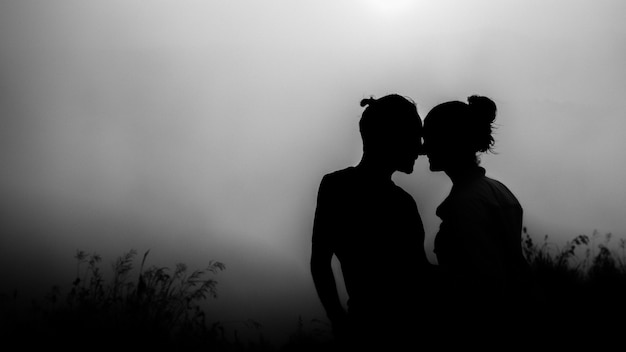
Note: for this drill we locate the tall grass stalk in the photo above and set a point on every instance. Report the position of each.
(583, 283)
(158, 308)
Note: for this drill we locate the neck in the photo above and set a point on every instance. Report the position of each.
(461, 173)
(376, 167)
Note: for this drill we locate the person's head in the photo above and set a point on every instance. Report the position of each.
(391, 130)
(455, 132)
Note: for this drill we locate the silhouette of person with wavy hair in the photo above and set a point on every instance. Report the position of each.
(478, 246)
(374, 229)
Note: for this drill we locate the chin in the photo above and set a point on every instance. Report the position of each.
(435, 167)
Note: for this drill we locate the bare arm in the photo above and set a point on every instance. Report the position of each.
(324, 281)
(322, 253)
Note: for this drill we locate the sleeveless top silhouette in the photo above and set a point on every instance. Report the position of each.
(375, 230)
(478, 245)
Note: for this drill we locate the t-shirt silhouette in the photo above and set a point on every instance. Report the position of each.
(375, 230)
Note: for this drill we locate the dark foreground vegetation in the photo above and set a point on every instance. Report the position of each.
(583, 287)
(582, 284)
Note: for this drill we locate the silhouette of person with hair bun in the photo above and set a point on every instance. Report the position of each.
(374, 229)
(478, 246)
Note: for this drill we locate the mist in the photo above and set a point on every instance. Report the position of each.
(200, 130)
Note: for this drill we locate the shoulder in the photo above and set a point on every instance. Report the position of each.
(488, 190)
(336, 181)
(499, 186)
(340, 175)
(500, 194)
(478, 196)
(338, 178)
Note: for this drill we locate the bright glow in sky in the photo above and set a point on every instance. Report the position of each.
(391, 8)
(200, 130)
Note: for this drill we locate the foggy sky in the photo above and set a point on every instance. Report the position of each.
(201, 129)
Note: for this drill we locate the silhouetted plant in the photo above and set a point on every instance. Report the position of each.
(597, 259)
(582, 282)
(161, 308)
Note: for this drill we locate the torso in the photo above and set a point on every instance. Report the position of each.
(378, 235)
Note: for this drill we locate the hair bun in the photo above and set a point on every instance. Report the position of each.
(368, 101)
(482, 108)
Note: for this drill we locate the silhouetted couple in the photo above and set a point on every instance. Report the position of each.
(397, 298)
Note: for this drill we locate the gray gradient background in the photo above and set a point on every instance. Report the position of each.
(201, 129)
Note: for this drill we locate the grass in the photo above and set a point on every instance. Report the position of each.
(153, 309)
(581, 263)
(158, 309)
(583, 285)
